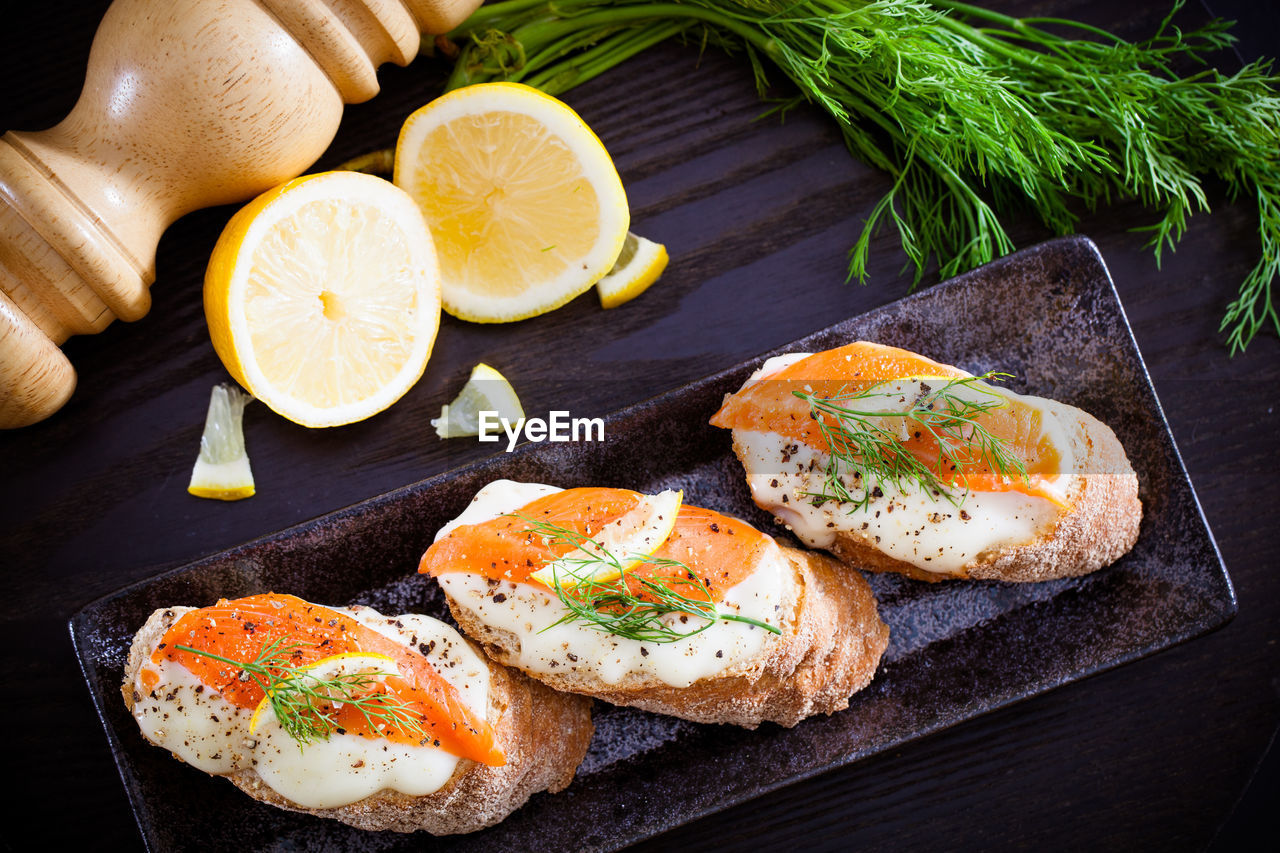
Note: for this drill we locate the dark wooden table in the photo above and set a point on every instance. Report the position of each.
(1175, 750)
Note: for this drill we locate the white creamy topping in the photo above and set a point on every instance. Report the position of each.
(500, 497)
(527, 611)
(200, 727)
(778, 362)
(911, 525)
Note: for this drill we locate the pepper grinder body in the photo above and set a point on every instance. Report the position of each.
(186, 104)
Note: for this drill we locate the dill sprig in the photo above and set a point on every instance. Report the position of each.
(614, 606)
(976, 115)
(866, 445)
(304, 703)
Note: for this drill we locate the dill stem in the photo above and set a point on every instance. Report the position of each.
(543, 31)
(488, 12)
(238, 664)
(604, 56)
(979, 12)
(747, 620)
(1044, 62)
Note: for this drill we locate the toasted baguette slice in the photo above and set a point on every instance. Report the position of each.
(1071, 516)
(543, 734)
(830, 647)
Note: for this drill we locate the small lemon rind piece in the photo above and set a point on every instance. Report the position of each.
(333, 664)
(486, 390)
(638, 533)
(222, 469)
(641, 263)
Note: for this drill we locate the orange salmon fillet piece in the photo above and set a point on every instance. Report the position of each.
(722, 551)
(239, 629)
(769, 404)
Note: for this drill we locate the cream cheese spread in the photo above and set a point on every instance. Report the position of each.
(929, 531)
(529, 612)
(195, 723)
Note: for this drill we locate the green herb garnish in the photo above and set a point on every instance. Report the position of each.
(866, 446)
(976, 115)
(612, 606)
(304, 703)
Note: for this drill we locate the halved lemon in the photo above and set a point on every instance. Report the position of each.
(627, 539)
(222, 469)
(525, 206)
(346, 663)
(323, 297)
(486, 391)
(639, 266)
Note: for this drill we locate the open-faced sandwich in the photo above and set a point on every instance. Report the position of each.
(381, 722)
(894, 462)
(643, 600)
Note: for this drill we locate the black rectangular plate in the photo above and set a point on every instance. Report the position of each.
(1049, 315)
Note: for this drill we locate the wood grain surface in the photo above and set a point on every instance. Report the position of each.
(758, 217)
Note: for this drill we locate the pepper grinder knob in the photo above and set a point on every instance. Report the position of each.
(186, 104)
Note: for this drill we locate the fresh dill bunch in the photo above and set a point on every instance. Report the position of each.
(866, 446)
(304, 703)
(977, 116)
(628, 604)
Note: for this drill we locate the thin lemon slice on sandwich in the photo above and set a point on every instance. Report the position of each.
(641, 263)
(323, 297)
(314, 677)
(222, 469)
(620, 545)
(486, 391)
(524, 203)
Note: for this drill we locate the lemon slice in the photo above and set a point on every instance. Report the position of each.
(525, 206)
(346, 663)
(639, 266)
(486, 391)
(627, 540)
(222, 469)
(323, 297)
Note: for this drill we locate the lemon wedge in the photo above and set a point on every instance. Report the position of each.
(639, 266)
(486, 391)
(346, 663)
(323, 297)
(526, 208)
(627, 540)
(222, 469)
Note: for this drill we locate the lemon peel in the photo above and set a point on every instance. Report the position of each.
(486, 390)
(345, 663)
(524, 204)
(222, 469)
(618, 546)
(641, 263)
(323, 297)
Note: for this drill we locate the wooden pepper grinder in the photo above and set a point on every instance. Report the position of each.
(186, 104)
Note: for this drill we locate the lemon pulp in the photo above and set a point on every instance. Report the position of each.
(323, 297)
(222, 469)
(486, 390)
(524, 204)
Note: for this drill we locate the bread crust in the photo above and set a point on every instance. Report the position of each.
(543, 734)
(1100, 527)
(829, 649)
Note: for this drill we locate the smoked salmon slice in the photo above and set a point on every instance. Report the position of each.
(722, 551)
(770, 404)
(240, 629)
